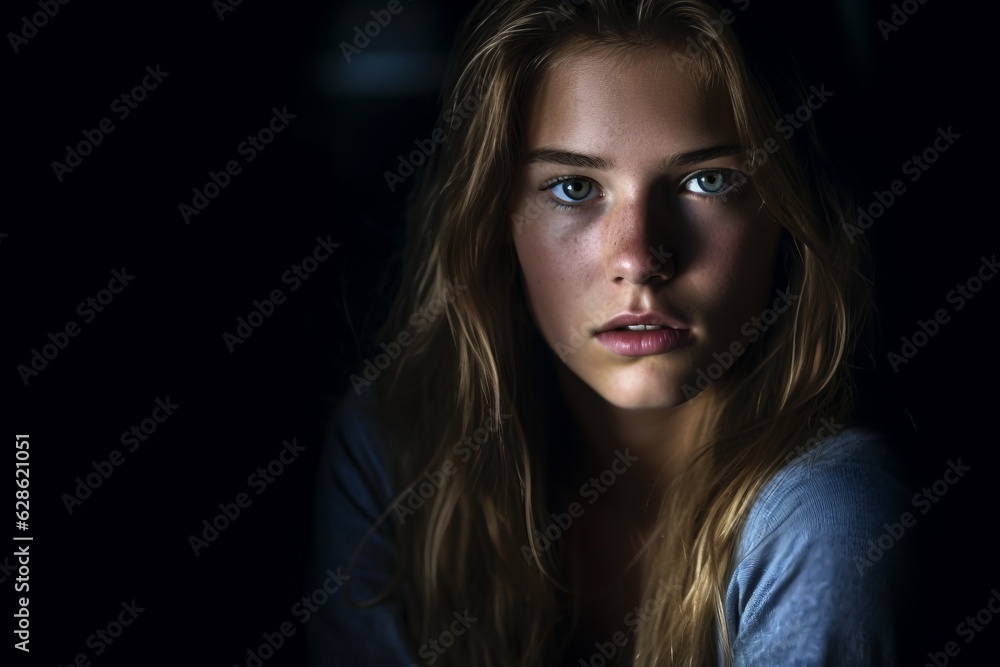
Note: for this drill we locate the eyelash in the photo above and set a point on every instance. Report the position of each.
(730, 175)
(733, 190)
(555, 203)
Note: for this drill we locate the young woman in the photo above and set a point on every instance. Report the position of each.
(612, 419)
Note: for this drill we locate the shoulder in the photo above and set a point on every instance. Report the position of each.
(841, 484)
(354, 482)
(354, 424)
(807, 586)
(353, 542)
(356, 448)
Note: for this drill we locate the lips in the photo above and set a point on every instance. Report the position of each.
(649, 321)
(642, 334)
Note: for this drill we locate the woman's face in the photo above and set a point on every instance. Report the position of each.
(627, 206)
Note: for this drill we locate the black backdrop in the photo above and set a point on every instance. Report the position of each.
(224, 74)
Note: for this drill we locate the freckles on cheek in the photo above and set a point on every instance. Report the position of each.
(553, 275)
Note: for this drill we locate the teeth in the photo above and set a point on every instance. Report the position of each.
(643, 327)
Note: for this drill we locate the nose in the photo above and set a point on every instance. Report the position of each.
(639, 249)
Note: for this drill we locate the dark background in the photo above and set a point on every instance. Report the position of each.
(323, 175)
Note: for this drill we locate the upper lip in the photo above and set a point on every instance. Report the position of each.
(651, 317)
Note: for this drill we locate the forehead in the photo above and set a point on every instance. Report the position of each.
(640, 102)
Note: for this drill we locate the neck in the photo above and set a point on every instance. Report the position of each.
(657, 441)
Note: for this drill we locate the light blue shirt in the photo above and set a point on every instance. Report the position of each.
(811, 584)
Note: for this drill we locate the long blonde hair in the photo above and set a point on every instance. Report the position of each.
(462, 399)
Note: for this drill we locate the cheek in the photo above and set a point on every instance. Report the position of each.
(734, 274)
(556, 274)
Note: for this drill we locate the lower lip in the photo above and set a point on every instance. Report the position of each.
(643, 343)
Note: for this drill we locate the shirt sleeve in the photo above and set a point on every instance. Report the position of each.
(353, 494)
(823, 562)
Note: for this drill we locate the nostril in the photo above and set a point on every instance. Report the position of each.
(659, 264)
(650, 277)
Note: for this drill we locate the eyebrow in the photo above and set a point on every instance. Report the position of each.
(571, 159)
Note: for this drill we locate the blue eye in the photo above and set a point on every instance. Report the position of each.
(572, 190)
(715, 182)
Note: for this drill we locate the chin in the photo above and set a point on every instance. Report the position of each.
(645, 398)
(639, 388)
